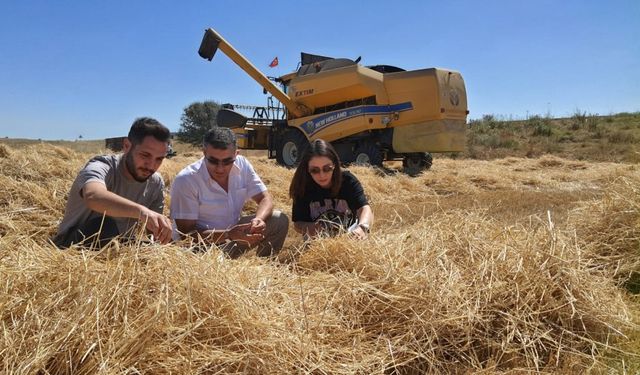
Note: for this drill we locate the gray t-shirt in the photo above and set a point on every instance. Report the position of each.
(110, 170)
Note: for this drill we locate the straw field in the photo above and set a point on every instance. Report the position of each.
(507, 266)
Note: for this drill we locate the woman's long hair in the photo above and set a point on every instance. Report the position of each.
(302, 178)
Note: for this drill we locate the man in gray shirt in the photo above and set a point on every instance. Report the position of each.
(114, 192)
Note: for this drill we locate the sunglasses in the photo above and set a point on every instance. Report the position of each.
(325, 169)
(223, 162)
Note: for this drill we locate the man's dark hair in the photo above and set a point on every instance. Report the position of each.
(220, 138)
(145, 126)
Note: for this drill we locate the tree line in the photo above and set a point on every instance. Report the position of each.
(196, 119)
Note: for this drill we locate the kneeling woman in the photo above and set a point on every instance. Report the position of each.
(324, 196)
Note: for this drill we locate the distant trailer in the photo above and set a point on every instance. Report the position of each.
(115, 144)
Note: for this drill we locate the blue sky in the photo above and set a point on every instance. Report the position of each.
(71, 68)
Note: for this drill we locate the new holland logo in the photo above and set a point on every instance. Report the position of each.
(331, 118)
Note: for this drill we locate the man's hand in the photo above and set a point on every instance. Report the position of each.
(242, 233)
(157, 224)
(257, 226)
(99, 199)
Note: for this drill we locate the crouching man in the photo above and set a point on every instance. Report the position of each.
(207, 198)
(112, 193)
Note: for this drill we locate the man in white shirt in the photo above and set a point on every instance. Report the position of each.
(207, 198)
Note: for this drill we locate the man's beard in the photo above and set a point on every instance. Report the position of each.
(130, 164)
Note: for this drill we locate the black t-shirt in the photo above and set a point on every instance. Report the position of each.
(318, 202)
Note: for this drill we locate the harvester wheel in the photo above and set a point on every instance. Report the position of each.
(416, 163)
(291, 147)
(368, 153)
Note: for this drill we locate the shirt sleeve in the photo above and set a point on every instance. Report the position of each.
(300, 210)
(184, 199)
(253, 181)
(96, 169)
(355, 193)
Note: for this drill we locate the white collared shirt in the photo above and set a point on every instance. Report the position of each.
(197, 196)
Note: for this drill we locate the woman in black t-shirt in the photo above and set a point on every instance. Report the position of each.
(326, 198)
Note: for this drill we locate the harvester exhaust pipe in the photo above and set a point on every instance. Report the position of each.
(210, 44)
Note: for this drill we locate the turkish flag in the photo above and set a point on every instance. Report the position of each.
(274, 63)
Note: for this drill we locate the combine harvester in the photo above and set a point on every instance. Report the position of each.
(369, 113)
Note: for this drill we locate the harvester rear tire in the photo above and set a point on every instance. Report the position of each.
(368, 153)
(416, 163)
(291, 147)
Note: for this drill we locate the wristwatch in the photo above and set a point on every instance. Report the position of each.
(365, 227)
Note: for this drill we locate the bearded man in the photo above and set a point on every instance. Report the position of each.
(112, 193)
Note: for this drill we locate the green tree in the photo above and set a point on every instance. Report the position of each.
(196, 119)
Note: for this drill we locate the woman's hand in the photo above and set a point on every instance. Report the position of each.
(359, 233)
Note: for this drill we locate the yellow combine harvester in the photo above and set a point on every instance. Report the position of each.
(369, 114)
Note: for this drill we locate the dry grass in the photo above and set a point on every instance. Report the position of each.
(583, 136)
(509, 266)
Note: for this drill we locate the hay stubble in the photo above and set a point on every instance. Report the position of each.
(510, 265)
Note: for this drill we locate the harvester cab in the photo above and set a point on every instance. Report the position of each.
(369, 114)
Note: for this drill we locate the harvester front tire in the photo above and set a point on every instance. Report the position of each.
(368, 153)
(416, 163)
(291, 147)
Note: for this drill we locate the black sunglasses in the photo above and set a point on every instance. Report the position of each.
(223, 162)
(326, 169)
